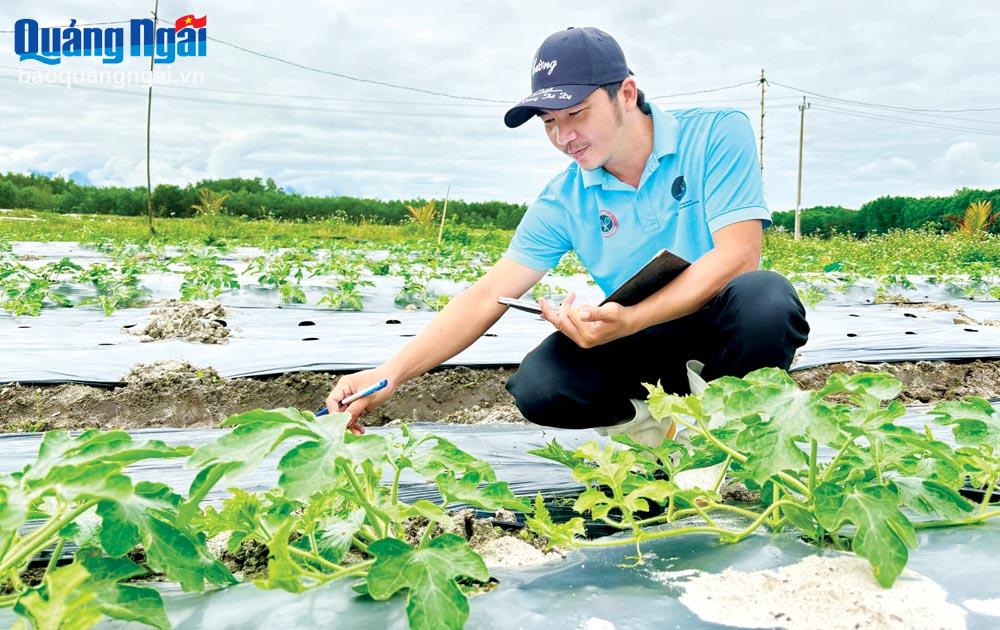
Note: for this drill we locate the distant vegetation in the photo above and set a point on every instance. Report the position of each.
(263, 199)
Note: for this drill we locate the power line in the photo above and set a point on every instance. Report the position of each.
(350, 77)
(883, 106)
(907, 121)
(275, 106)
(718, 89)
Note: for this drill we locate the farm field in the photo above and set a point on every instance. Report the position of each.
(156, 400)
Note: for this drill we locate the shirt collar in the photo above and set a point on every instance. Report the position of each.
(665, 129)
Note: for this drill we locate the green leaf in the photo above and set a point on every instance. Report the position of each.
(557, 453)
(399, 512)
(926, 496)
(256, 435)
(310, 467)
(444, 457)
(78, 594)
(282, 570)
(174, 549)
(433, 599)
(468, 490)
(336, 535)
(563, 534)
(974, 421)
(781, 418)
(883, 532)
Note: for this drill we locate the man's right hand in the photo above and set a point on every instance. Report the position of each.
(351, 383)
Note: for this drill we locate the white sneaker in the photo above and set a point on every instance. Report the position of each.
(643, 428)
(703, 478)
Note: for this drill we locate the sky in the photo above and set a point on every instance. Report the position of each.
(315, 133)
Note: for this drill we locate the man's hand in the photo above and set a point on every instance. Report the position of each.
(351, 383)
(590, 325)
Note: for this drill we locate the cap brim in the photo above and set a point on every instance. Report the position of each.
(559, 97)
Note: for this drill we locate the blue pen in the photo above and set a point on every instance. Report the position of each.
(365, 392)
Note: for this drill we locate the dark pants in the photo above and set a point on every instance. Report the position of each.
(756, 321)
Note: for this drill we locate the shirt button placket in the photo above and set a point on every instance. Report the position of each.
(647, 218)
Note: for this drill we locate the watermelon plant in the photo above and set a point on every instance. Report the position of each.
(884, 482)
(330, 517)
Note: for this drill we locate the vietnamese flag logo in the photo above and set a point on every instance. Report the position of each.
(190, 20)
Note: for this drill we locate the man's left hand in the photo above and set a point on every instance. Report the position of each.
(589, 325)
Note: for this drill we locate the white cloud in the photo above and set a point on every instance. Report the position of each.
(964, 164)
(887, 167)
(853, 49)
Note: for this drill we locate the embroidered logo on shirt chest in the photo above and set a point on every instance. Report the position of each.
(609, 223)
(678, 188)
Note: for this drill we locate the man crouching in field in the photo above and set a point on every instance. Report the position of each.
(641, 180)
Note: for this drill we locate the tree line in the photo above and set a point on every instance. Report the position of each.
(258, 198)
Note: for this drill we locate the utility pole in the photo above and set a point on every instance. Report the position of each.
(149, 115)
(798, 195)
(763, 86)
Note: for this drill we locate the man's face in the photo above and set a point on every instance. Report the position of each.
(590, 133)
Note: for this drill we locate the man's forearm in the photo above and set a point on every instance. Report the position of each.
(693, 288)
(466, 317)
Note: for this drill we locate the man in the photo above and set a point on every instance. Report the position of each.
(641, 180)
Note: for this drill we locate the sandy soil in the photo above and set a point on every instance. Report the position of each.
(174, 394)
(817, 592)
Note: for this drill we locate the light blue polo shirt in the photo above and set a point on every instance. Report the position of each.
(702, 175)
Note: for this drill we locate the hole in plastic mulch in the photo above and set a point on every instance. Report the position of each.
(27, 326)
(489, 335)
(909, 332)
(971, 329)
(909, 315)
(853, 315)
(105, 343)
(129, 326)
(307, 323)
(310, 339)
(852, 334)
(408, 335)
(221, 322)
(393, 321)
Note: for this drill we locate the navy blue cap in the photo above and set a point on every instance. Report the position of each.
(567, 68)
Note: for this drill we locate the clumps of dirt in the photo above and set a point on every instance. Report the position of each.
(248, 562)
(457, 395)
(817, 592)
(163, 394)
(178, 394)
(500, 548)
(734, 492)
(923, 381)
(199, 321)
(961, 317)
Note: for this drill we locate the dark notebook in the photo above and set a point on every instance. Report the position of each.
(657, 273)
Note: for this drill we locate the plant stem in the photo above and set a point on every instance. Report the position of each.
(691, 512)
(740, 457)
(988, 494)
(836, 458)
(813, 453)
(969, 520)
(394, 494)
(302, 553)
(722, 473)
(39, 539)
(351, 570)
(378, 518)
(427, 534)
(54, 558)
(725, 535)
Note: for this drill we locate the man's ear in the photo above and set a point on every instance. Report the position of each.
(628, 93)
